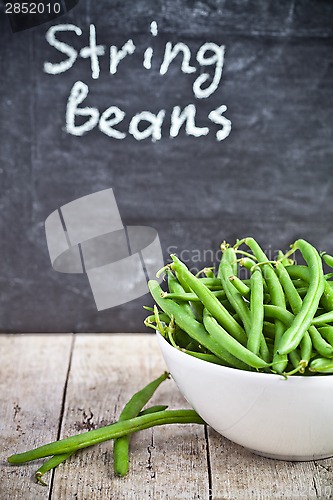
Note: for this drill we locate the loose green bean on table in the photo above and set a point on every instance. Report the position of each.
(56, 460)
(112, 431)
(131, 410)
(131, 420)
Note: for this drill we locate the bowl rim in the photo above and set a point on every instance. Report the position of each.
(228, 369)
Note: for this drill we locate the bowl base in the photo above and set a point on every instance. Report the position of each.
(292, 458)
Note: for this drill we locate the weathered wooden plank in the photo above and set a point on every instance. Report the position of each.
(33, 372)
(166, 462)
(238, 474)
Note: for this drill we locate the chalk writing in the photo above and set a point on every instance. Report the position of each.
(117, 55)
(207, 62)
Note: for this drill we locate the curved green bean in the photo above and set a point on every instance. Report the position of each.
(275, 290)
(152, 318)
(299, 272)
(306, 348)
(322, 319)
(209, 301)
(327, 332)
(276, 312)
(231, 344)
(256, 311)
(298, 363)
(50, 464)
(296, 304)
(192, 327)
(153, 409)
(247, 262)
(175, 287)
(302, 273)
(327, 297)
(269, 329)
(211, 283)
(131, 410)
(190, 296)
(285, 261)
(240, 286)
(293, 335)
(319, 343)
(197, 307)
(328, 259)
(225, 272)
(322, 365)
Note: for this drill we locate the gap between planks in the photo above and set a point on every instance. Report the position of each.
(63, 402)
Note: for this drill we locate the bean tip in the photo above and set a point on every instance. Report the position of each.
(162, 270)
(39, 480)
(224, 245)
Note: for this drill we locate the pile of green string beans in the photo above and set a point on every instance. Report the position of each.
(278, 320)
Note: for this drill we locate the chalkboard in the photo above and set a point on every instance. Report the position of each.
(209, 120)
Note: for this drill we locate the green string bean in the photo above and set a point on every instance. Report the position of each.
(277, 298)
(256, 311)
(209, 301)
(113, 431)
(303, 319)
(131, 410)
(192, 327)
(231, 344)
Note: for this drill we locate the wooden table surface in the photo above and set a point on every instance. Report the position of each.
(54, 386)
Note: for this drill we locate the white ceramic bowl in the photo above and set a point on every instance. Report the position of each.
(283, 419)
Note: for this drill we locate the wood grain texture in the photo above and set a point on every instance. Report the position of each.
(166, 462)
(172, 462)
(33, 373)
(239, 474)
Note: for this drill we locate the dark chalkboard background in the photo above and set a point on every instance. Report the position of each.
(271, 178)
